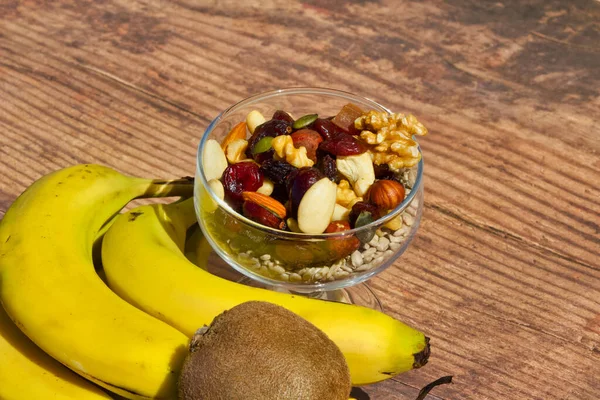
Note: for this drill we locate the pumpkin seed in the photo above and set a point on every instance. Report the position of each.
(364, 218)
(263, 145)
(304, 121)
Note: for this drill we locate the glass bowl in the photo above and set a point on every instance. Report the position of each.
(300, 262)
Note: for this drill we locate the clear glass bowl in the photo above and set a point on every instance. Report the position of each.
(296, 261)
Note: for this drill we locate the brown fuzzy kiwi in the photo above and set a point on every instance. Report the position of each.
(262, 351)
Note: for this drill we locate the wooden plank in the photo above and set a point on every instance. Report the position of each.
(506, 321)
(504, 272)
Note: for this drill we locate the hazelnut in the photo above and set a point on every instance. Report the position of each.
(385, 194)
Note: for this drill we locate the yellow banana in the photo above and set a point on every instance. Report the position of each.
(50, 290)
(26, 372)
(144, 263)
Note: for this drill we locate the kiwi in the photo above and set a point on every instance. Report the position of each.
(262, 351)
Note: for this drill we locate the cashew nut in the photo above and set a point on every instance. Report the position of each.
(358, 170)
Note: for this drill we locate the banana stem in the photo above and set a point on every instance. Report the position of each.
(183, 187)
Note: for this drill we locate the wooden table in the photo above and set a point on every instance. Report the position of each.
(504, 274)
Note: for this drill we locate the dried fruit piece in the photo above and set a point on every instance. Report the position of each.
(270, 128)
(343, 145)
(385, 194)
(346, 117)
(304, 121)
(395, 223)
(341, 246)
(265, 201)
(214, 161)
(283, 116)
(238, 132)
(254, 119)
(261, 215)
(309, 139)
(241, 177)
(316, 207)
(326, 128)
(329, 167)
(277, 170)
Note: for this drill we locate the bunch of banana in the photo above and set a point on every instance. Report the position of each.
(133, 342)
(144, 262)
(50, 290)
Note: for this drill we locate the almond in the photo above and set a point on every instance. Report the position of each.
(266, 202)
(214, 161)
(316, 207)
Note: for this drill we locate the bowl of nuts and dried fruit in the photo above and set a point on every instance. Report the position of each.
(310, 189)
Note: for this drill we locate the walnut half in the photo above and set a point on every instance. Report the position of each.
(391, 135)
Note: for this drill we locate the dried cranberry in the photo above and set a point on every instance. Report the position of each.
(360, 207)
(328, 166)
(277, 171)
(343, 145)
(326, 128)
(271, 128)
(283, 116)
(240, 177)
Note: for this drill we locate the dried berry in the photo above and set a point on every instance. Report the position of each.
(328, 167)
(264, 156)
(270, 128)
(283, 116)
(276, 170)
(383, 171)
(241, 177)
(326, 128)
(343, 145)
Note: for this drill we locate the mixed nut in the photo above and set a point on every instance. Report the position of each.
(316, 175)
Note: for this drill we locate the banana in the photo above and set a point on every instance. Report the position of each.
(50, 289)
(26, 372)
(145, 264)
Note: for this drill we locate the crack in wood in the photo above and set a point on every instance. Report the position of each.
(130, 85)
(508, 235)
(565, 43)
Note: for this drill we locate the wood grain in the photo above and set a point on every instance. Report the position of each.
(504, 273)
